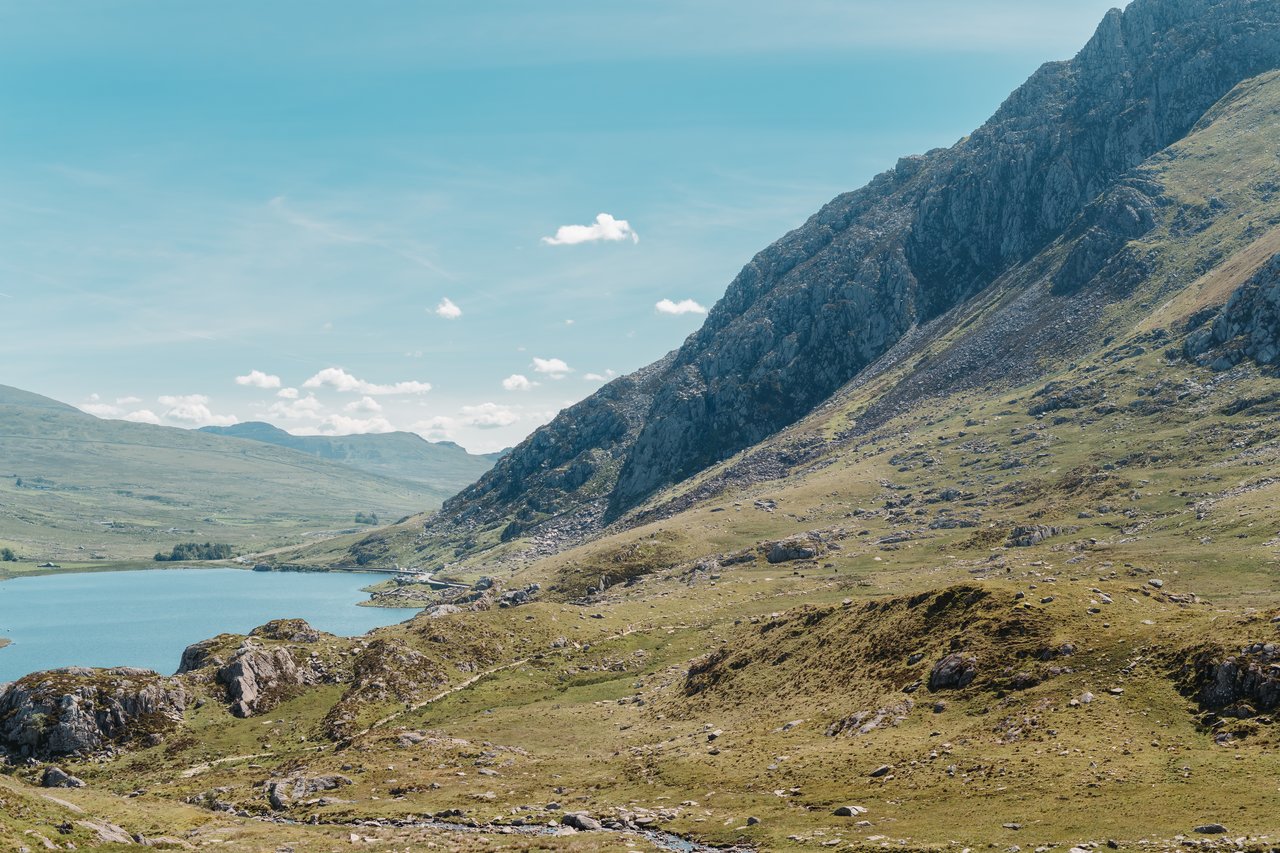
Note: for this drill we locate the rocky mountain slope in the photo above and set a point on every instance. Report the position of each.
(875, 266)
(441, 466)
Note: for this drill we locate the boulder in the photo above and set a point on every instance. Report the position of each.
(849, 811)
(953, 672)
(581, 821)
(517, 597)
(56, 777)
(284, 792)
(791, 549)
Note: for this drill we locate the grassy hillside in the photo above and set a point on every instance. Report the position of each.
(1016, 586)
(442, 467)
(1093, 542)
(77, 488)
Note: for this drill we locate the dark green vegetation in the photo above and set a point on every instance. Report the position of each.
(196, 551)
(1012, 583)
(79, 489)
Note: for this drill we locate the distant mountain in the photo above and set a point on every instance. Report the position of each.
(74, 486)
(442, 466)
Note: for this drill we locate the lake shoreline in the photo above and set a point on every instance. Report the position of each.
(145, 619)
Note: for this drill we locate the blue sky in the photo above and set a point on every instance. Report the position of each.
(344, 217)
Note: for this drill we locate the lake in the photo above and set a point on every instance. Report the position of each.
(146, 618)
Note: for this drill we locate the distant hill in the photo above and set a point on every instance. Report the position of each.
(73, 485)
(442, 466)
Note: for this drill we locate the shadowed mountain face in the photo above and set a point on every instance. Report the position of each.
(812, 311)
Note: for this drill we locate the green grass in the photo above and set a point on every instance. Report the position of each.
(110, 491)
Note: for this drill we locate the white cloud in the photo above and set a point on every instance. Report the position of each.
(142, 416)
(436, 429)
(599, 377)
(448, 310)
(518, 382)
(258, 379)
(364, 404)
(605, 228)
(344, 425)
(309, 408)
(194, 409)
(488, 416)
(684, 306)
(127, 401)
(553, 367)
(340, 380)
(288, 393)
(101, 410)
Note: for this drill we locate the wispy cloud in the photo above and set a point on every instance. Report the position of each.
(553, 367)
(599, 377)
(288, 393)
(448, 310)
(340, 380)
(518, 382)
(684, 306)
(335, 233)
(606, 228)
(258, 379)
(487, 416)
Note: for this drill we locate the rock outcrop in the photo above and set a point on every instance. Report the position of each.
(282, 793)
(81, 711)
(1248, 326)
(817, 308)
(258, 679)
(953, 672)
(1236, 685)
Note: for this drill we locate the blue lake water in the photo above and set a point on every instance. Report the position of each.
(146, 618)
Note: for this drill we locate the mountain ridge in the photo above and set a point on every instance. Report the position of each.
(446, 467)
(79, 483)
(876, 265)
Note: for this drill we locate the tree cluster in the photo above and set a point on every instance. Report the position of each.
(196, 551)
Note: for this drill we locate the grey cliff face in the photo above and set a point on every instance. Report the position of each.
(816, 308)
(81, 711)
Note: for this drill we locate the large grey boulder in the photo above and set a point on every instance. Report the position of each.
(78, 710)
(953, 672)
(56, 777)
(282, 793)
(790, 550)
